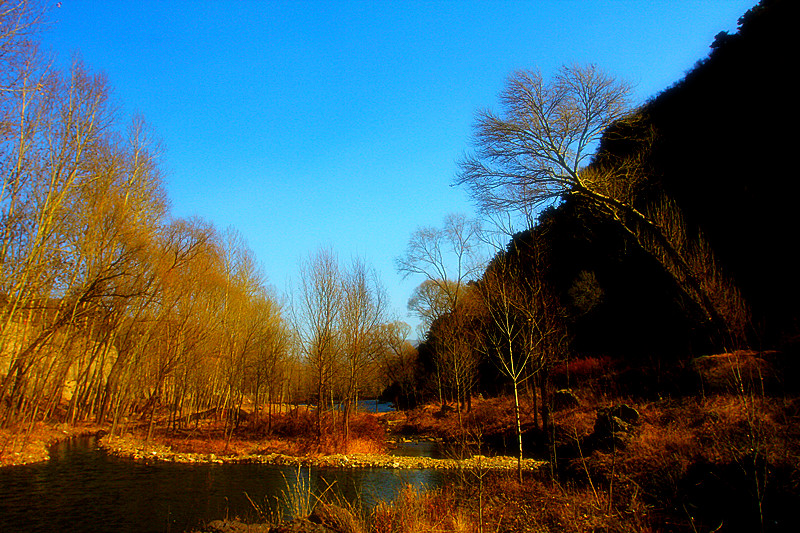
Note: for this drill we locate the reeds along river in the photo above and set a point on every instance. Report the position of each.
(83, 489)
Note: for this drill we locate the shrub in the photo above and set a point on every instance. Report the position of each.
(595, 372)
(738, 372)
(297, 423)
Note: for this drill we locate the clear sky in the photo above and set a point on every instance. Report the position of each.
(333, 123)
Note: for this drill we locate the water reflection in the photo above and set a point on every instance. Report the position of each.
(83, 489)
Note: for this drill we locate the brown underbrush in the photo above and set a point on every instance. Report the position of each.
(724, 458)
(505, 506)
(697, 464)
(293, 433)
(486, 416)
(423, 511)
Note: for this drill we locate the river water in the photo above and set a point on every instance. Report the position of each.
(82, 488)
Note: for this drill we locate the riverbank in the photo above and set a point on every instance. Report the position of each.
(33, 445)
(139, 450)
(288, 445)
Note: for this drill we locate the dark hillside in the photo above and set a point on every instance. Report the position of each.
(721, 150)
(619, 299)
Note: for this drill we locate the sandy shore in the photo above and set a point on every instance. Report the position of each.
(136, 449)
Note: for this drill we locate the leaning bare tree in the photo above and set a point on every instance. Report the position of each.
(539, 149)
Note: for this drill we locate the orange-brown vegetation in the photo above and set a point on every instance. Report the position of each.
(722, 457)
(487, 416)
(590, 371)
(291, 433)
(414, 510)
(507, 506)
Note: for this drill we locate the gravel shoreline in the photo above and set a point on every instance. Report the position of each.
(136, 449)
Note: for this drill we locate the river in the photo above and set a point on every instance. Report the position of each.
(82, 489)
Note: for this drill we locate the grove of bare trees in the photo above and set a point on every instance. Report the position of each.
(110, 309)
(113, 311)
(448, 258)
(340, 315)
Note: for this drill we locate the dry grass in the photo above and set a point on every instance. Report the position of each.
(534, 506)
(735, 426)
(339, 517)
(292, 434)
(683, 445)
(595, 374)
(639, 486)
(577, 422)
(421, 511)
(737, 372)
(487, 416)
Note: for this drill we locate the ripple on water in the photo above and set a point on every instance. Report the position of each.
(83, 489)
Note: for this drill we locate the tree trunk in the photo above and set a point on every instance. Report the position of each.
(519, 430)
(543, 382)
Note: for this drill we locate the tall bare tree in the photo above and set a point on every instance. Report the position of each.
(539, 149)
(505, 302)
(316, 318)
(362, 315)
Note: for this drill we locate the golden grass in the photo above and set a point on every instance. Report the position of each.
(422, 511)
(574, 423)
(508, 506)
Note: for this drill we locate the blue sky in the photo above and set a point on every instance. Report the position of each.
(332, 123)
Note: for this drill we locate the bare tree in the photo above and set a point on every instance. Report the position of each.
(398, 361)
(433, 299)
(534, 153)
(363, 311)
(35, 216)
(447, 258)
(454, 338)
(505, 302)
(245, 310)
(316, 316)
(273, 350)
(105, 303)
